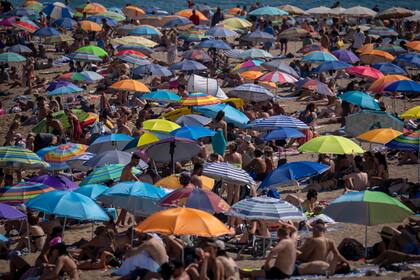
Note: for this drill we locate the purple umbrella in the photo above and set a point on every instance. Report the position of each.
(59, 182)
(8, 212)
(346, 56)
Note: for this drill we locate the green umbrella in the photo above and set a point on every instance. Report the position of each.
(100, 52)
(115, 16)
(41, 126)
(14, 157)
(106, 173)
(11, 57)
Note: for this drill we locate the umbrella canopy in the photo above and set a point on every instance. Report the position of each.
(250, 64)
(311, 48)
(153, 69)
(130, 85)
(187, 13)
(359, 11)
(86, 76)
(88, 25)
(409, 141)
(111, 157)
(192, 132)
(258, 36)
(146, 30)
(380, 135)
(172, 182)
(389, 68)
(187, 65)
(278, 121)
(331, 144)
(293, 171)
(109, 142)
(8, 212)
(95, 50)
(293, 10)
(414, 45)
(46, 32)
(367, 208)
(198, 99)
(195, 198)
(361, 99)
(184, 221)
(279, 65)
(162, 96)
(283, 133)
(68, 204)
(133, 12)
(22, 192)
(213, 44)
(251, 92)
(58, 182)
(315, 86)
(392, 49)
(232, 115)
(268, 11)
(319, 56)
(131, 52)
(64, 152)
(136, 189)
(381, 83)
(403, 86)
(383, 32)
(236, 23)
(178, 21)
(376, 56)
(278, 77)
(19, 158)
(293, 33)
(134, 41)
(255, 53)
(346, 56)
(322, 10)
(92, 8)
(331, 65)
(228, 173)
(196, 55)
(65, 89)
(78, 161)
(173, 149)
(11, 57)
(265, 208)
(160, 125)
(364, 121)
(66, 23)
(57, 10)
(105, 174)
(395, 12)
(409, 59)
(133, 59)
(413, 113)
(365, 72)
(92, 191)
(60, 115)
(19, 49)
(195, 120)
(100, 18)
(218, 31)
(84, 57)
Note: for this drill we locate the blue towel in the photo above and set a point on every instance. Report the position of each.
(219, 143)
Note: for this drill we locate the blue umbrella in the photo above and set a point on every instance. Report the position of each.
(319, 56)
(133, 59)
(68, 89)
(192, 132)
(389, 68)
(144, 30)
(113, 157)
(361, 99)
(92, 190)
(188, 65)
(275, 122)
(109, 142)
(410, 59)
(21, 12)
(213, 44)
(57, 10)
(54, 85)
(232, 115)
(179, 21)
(152, 69)
(403, 86)
(66, 23)
(283, 133)
(218, 31)
(46, 32)
(70, 205)
(251, 92)
(3, 238)
(331, 65)
(268, 11)
(161, 96)
(293, 171)
(98, 20)
(19, 49)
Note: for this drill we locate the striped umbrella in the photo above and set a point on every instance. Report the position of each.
(251, 92)
(65, 152)
(265, 208)
(106, 173)
(409, 141)
(84, 57)
(250, 64)
(198, 99)
(228, 173)
(278, 77)
(132, 52)
(22, 192)
(57, 10)
(134, 59)
(11, 57)
(26, 26)
(14, 157)
(275, 122)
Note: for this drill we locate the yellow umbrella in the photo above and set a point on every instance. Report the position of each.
(172, 182)
(175, 114)
(413, 113)
(147, 138)
(188, 13)
(251, 75)
(134, 41)
(94, 8)
(160, 125)
(376, 56)
(130, 85)
(239, 103)
(366, 48)
(414, 45)
(380, 135)
(133, 12)
(236, 23)
(88, 25)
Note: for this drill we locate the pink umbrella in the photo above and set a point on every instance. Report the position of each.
(318, 87)
(25, 26)
(365, 72)
(7, 21)
(278, 77)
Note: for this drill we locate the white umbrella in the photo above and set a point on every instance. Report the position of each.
(319, 11)
(359, 11)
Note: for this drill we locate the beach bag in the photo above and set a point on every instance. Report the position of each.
(352, 250)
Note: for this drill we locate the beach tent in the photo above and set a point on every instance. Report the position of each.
(197, 83)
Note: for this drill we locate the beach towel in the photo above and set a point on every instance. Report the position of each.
(219, 143)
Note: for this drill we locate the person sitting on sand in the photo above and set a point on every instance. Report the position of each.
(36, 235)
(357, 180)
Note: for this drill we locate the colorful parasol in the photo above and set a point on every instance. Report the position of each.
(198, 99)
(22, 192)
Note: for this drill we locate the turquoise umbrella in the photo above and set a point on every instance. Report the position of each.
(268, 11)
(232, 115)
(360, 99)
(161, 96)
(192, 132)
(319, 56)
(92, 191)
(11, 57)
(67, 89)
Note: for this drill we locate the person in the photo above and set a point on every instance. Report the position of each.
(211, 267)
(196, 175)
(283, 40)
(57, 128)
(358, 39)
(234, 158)
(219, 123)
(36, 235)
(325, 41)
(230, 268)
(358, 180)
(311, 201)
(217, 17)
(309, 115)
(75, 126)
(257, 168)
(63, 263)
(172, 47)
(195, 19)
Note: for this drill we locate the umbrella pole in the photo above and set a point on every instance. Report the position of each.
(92, 232)
(64, 226)
(27, 233)
(366, 238)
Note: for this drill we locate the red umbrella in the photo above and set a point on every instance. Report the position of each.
(25, 26)
(133, 52)
(365, 72)
(318, 87)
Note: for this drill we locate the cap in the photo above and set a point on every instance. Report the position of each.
(219, 244)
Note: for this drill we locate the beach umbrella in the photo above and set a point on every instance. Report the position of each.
(161, 96)
(109, 157)
(319, 56)
(109, 142)
(59, 155)
(320, 11)
(134, 189)
(195, 198)
(8, 21)
(133, 12)
(172, 182)
(70, 205)
(359, 11)
(8, 57)
(134, 59)
(268, 11)
(187, 65)
(380, 84)
(251, 92)
(199, 55)
(293, 33)
(275, 122)
(19, 158)
(156, 11)
(193, 36)
(57, 84)
(134, 41)
(28, 26)
(213, 44)
(130, 85)
(153, 69)
(395, 12)
(228, 173)
(382, 32)
(178, 21)
(409, 141)
(346, 56)
(258, 36)
(375, 56)
(283, 133)
(232, 115)
(66, 23)
(8, 212)
(145, 30)
(100, 18)
(106, 173)
(389, 68)
(331, 144)
(112, 15)
(409, 59)
(413, 45)
(255, 53)
(366, 48)
(173, 149)
(46, 32)
(85, 57)
(250, 64)
(92, 191)
(234, 11)
(293, 10)
(62, 117)
(187, 13)
(236, 23)
(266, 209)
(192, 132)
(392, 49)
(57, 10)
(58, 182)
(403, 86)
(159, 125)
(219, 31)
(278, 78)
(315, 86)
(279, 65)
(413, 113)
(94, 50)
(92, 8)
(198, 99)
(19, 49)
(331, 66)
(58, 39)
(86, 76)
(184, 221)
(78, 161)
(22, 192)
(66, 89)
(145, 139)
(194, 120)
(364, 121)
(88, 25)
(292, 171)
(365, 72)
(361, 99)
(251, 75)
(379, 136)
(311, 48)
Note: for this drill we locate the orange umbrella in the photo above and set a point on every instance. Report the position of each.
(414, 45)
(184, 221)
(251, 75)
(376, 56)
(381, 83)
(94, 8)
(172, 182)
(366, 48)
(133, 12)
(88, 25)
(380, 135)
(130, 85)
(234, 11)
(188, 12)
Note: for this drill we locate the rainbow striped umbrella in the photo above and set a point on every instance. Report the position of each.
(106, 173)
(409, 141)
(65, 152)
(22, 192)
(199, 99)
(15, 157)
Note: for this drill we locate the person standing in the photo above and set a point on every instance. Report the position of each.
(358, 39)
(195, 18)
(217, 17)
(75, 126)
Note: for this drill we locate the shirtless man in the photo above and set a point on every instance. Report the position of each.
(57, 128)
(122, 126)
(319, 254)
(196, 176)
(285, 257)
(257, 166)
(234, 158)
